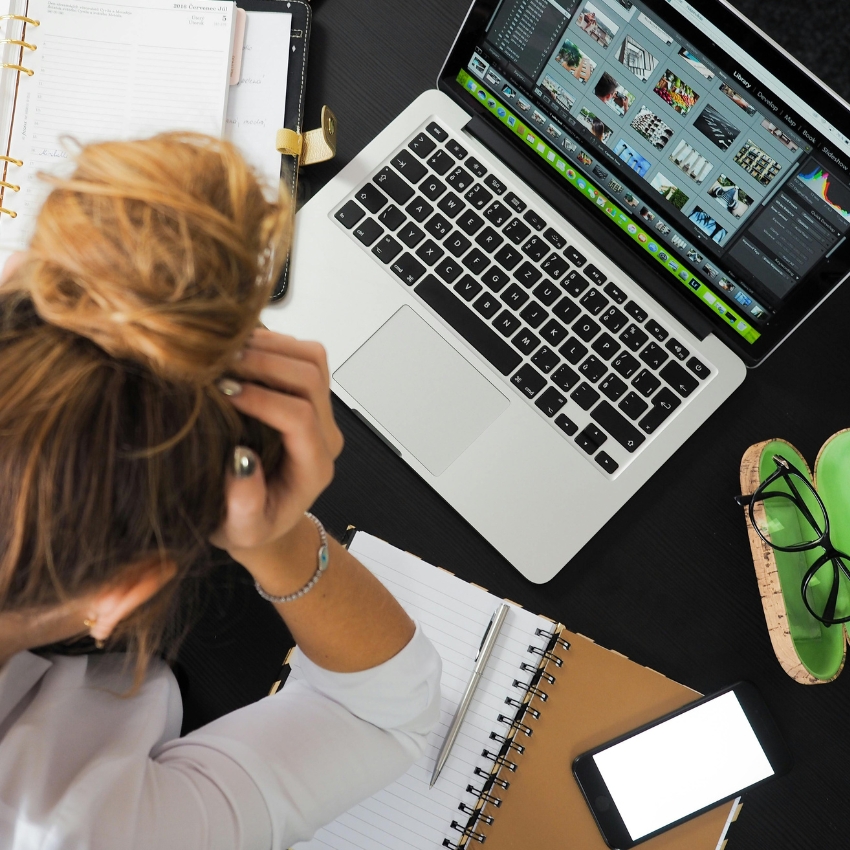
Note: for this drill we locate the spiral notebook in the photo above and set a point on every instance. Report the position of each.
(547, 695)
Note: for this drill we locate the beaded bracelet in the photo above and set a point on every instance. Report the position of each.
(323, 559)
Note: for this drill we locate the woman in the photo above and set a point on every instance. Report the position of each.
(141, 415)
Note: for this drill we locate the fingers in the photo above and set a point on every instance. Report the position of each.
(246, 521)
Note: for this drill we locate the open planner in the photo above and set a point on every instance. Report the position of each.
(547, 695)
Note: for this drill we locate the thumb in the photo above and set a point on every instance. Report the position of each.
(245, 523)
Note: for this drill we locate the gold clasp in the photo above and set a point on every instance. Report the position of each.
(18, 42)
(314, 146)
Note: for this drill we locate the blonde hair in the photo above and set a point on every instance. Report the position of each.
(146, 274)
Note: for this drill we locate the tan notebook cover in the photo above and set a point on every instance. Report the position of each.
(597, 695)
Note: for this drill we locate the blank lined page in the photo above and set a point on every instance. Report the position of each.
(454, 614)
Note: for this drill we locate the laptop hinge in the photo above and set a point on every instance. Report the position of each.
(547, 186)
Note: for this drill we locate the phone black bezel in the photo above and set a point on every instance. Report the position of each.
(564, 197)
(592, 785)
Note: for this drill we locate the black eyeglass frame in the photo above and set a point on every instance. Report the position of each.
(787, 471)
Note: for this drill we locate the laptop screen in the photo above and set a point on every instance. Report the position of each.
(732, 186)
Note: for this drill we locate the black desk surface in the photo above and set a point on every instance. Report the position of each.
(669, 582)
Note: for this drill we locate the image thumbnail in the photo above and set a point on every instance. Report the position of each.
(695, 257)
(669, 190)
(626, 4)
(597, 25)
(708, 268)
(696, 64)
(553, 131)
(614, 186)
(598, 129)
(691, 161)
(538, 118)
(571, 59)
(757, 163)
(726, 285)
(834, 193)
(730, 195)
(737, 99)
(630, 199)
(655, 29)
(613, 95)
(647, 214)
(584, 159)
(559, 94)
(707, 223)
(678, 242)
(636, 58)
(662, 228)
(676, 93)
(652, 128)
(632, 158)
(716, 128)
(780, 136)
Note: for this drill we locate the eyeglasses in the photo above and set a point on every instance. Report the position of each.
(829, 574)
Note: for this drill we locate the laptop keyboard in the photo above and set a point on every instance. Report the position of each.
(577, 345)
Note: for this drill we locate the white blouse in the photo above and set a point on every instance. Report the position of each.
(83, 767)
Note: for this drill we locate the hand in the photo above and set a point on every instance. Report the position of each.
(296, 401)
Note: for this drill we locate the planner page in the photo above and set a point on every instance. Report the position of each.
(454, 614)
(112, 70)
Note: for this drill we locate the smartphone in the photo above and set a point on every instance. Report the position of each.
(681, 765)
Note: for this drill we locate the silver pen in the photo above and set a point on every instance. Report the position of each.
(487, 644)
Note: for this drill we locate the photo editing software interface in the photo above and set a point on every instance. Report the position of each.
(736, 194)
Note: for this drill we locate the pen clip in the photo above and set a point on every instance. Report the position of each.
(486, 632)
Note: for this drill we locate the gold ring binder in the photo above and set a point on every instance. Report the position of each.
(10, 213)
(18, 42)
(18, 162)
(23, 18)
(26, 71)
(11, 186)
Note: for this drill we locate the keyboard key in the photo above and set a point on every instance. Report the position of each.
(495, 278)
(613, 387)
(555, 238)
(573, 350)
(457, 244)
(368, 231)
(451, 204)
(497, 213)
(636, 312)
(488, 305)
(633, 405)
(625, 364)
(408, 268)
(467, 287)
(553, 332)
(516, 231)
(551, 401)
(390, 182)
(438, 226)
(592, 369)
(584, 396)
(574, 256)
(477, 333)
(536, 248)
(371, 198)
(633, 337)
(654, 356)
(437, 131)
(566, 425)
(474, 166)
(585, 328)
(430, 252)
(656, 330)
(478, 196)
(646, 383)
(547, 292)
(605, 346)
(456, 149)
(506, 323)
(494, 184)
(469, 222)
(386, 249)
(391, 217)
(681, 380)
(527, 275)
(419, 209)
(349, 214)
(431, 188)
(545, 359)
(529, 380)
(489, 239)
(441, 162)
(422, 145)
(411, 235)
(408, 166)
(554, 266)
(574, 284)
(460, 179)
(449, 270)
(591, 438)
(507, 257)
(615, 293)
(662, 406)
(607, 462)
(565, 378)
(525, 341)
(594, 301)
(613, 319)
(676, 348)
(517, 204)
(699, 369)
(533, 314)
(475, 261)
(566, 310)
(617, 426)
(595, 275)
(514, 297)
(534, 220)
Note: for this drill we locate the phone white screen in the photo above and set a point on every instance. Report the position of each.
(683, 765)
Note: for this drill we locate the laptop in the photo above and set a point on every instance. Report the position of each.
(542, 277)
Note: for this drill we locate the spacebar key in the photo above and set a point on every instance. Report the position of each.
(477, 333)
(617, 426)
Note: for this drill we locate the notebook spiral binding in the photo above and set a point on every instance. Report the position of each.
(505, 760)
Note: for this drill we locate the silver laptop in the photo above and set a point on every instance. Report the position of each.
(546, 274)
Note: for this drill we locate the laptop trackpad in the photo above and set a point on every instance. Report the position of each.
(428, 397)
